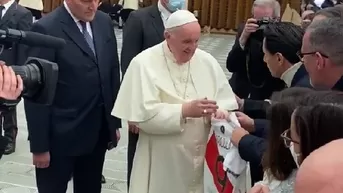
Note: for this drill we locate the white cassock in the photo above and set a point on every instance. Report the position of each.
(170, 151)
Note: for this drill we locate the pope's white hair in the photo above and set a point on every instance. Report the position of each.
(272, 3)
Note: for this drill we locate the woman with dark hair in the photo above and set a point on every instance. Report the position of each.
(279, 167)
(251, 148)
(279, 160)
(314, 126)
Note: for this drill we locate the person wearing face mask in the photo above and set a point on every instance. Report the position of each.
(313, 127)
(284, 155)
(143, 29)
(262, 151)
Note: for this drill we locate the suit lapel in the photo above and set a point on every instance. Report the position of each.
(98, 39)
(301, 73)
(72, 30)
(157, 21)
(9, 14)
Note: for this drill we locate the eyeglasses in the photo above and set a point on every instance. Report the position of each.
(287, 139)
(301, 55)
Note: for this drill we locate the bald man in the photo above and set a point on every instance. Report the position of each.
(322, 171)
(170, 91)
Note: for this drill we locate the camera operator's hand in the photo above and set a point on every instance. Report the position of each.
(250, 27)
(41, 160)
(199, 108)
(11, 85)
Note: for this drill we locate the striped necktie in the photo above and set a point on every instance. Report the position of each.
(1, 11)
(87, 36)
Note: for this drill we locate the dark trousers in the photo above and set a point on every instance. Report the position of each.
(9, 124)
(86, 171)
(131, 150)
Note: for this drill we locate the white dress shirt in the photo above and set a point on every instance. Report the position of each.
(7, 6)
(288, 75)
(77, 21)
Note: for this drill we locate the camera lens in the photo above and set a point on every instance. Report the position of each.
(31, 76)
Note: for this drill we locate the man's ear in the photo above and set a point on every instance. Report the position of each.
(166, 35)
(280, 58)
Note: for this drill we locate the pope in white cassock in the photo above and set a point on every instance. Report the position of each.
(170, 91)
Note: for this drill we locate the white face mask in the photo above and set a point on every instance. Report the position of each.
(294, 154)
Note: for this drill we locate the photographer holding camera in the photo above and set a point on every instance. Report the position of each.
(11, 86)
(251, 77)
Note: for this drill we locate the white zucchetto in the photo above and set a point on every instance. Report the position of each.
(180, 18)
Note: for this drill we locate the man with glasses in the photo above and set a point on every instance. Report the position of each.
(322, 51)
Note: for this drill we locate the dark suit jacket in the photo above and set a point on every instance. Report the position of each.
(143, 29)
(339, 85)
(257, 108)
(86, 90)
(16, 17)
(260, 84)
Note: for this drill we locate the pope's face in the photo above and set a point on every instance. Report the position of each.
(183, 41)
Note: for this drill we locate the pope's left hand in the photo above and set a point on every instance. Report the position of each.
(237, 135)
(259, 188)
(118, 135)
(220, 114)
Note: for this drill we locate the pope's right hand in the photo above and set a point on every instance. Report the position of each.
(41, 160)
(199, 108)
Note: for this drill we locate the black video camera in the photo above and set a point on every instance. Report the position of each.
(39, 75)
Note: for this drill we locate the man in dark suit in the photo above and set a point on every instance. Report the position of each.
(70, 136)
(143, 29)
(16, 17)
(251, 77)
(281, 47)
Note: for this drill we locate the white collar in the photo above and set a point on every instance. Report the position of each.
(70, 13)
(164, 12)
(288, 75)
(8, 4)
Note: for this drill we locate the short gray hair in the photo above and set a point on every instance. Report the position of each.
(326, 37)
(272, 3)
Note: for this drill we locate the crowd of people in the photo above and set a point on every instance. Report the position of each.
(285, 92)
(302, 113)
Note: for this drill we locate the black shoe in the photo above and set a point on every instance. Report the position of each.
(10, 148)
(103, 179)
